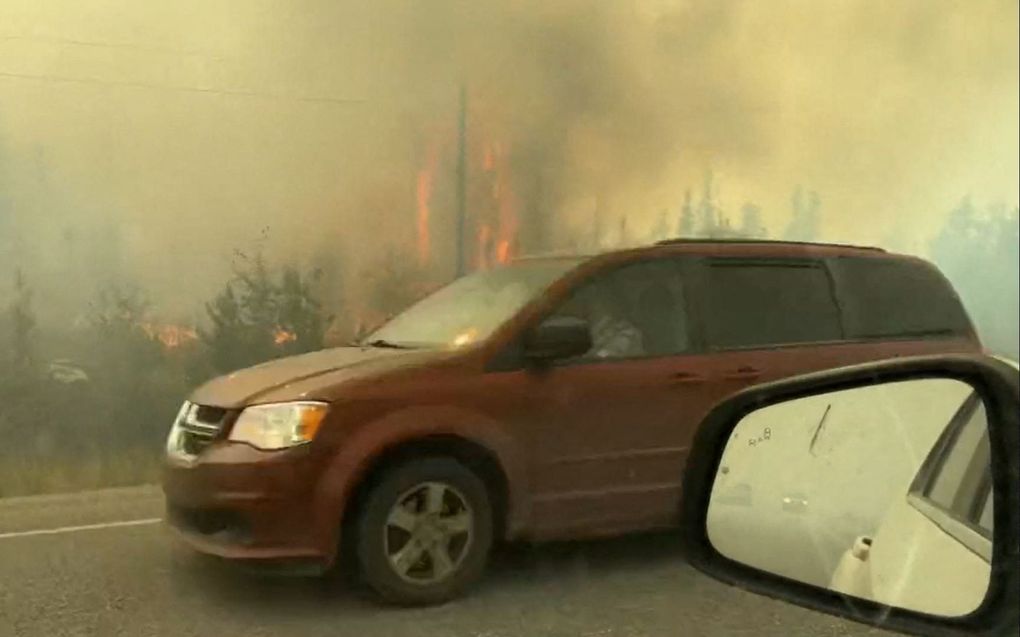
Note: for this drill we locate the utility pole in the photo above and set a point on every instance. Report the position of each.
(461, 180)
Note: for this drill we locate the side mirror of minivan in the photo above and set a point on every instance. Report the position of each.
(884, 493)
(558, 338)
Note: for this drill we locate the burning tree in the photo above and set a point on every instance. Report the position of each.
(485, 168)
(261, 315)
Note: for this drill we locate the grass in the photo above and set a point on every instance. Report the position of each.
(45, 475)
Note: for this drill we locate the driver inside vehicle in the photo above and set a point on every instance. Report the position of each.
(613, 332)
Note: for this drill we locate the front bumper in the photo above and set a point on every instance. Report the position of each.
(239, 503)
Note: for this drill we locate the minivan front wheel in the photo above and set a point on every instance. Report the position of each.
(425, 532)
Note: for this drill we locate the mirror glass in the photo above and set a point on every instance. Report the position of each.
(881, 492)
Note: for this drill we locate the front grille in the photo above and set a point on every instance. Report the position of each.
(208, 414)
(200, 426)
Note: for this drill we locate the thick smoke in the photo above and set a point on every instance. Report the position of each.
(149, 141)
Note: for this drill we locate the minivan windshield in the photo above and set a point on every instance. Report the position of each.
(472, 307)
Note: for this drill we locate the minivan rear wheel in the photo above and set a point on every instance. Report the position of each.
(425, 532)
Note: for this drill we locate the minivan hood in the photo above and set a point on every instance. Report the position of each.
(270, 380)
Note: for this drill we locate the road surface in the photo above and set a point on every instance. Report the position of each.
(101, 563)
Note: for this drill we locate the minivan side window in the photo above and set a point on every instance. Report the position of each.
(634, 311)
(884, 298)
(762, 304)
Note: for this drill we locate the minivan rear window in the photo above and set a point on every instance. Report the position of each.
(753, 304)
(883, 298)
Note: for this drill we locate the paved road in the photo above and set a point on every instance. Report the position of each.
(137, 581)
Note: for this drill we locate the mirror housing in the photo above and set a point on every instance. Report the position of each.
(557, 338)
(998, 385)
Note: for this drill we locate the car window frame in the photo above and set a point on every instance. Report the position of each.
(511, 357)
(967, 529)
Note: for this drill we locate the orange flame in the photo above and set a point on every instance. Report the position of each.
(282, 336)
(169, 336)
(507, 209)
(503, 251)
(484, 238)
(423, 195)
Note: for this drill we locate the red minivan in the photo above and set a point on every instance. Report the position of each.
(552, 398)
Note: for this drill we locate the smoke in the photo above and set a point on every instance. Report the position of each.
(148, 141)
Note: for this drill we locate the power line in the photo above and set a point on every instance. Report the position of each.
(184, 89)
(111, 45)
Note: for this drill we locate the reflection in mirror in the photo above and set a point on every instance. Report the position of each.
(881, 492)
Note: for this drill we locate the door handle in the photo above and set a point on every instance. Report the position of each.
(687, 377)
(743, 373)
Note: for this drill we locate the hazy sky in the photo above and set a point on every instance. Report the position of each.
(187, 126)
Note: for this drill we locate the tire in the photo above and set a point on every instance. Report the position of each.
(409, 541)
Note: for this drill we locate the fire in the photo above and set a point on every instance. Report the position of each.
(503, 251)
(484, 238)
(497, 234)
(507, 209)
(282, 336)
(170, 336)
(466, 337)
(492, 204)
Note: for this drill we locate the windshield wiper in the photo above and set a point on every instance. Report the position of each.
(384, 344)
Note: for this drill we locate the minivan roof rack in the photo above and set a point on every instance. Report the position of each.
(671, 242)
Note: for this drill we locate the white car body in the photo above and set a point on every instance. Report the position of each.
(932, 550)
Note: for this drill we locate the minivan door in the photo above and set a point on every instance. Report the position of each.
(611, 429)
(766, 319)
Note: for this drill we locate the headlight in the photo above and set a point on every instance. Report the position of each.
(173, 439)
(280, 425)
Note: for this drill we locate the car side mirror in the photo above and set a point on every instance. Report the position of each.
(884, 493)
(557, 338)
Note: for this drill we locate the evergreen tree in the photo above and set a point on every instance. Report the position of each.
(805, 218)
(686, 226)
(299, 312)
(751, 225)
(980, 254)
(259, 316)
(708, 213)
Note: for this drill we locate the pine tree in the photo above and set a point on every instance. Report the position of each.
(260, 315)
(686, 225)
(751, 225)
(299, 312)
(805, 218)
(708, 213)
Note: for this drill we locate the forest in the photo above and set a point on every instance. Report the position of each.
(90, 405)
